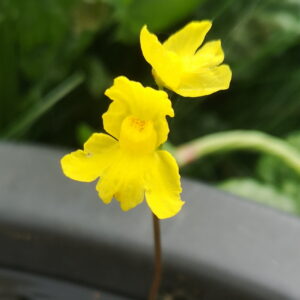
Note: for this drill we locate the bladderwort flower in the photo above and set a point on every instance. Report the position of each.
(181, 66)
(127, 159)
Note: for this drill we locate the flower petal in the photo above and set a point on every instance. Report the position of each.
(114, 116)
(211, 54)
(187, 40)
(167, 65)
(162, 129)
(205, 82)
(131, 194)
(78, 166)
(163, 185)
(87, 165)
(124, 181)
(130, 98)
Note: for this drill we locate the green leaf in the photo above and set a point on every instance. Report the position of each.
(41, 41)
(83, 132)
(9, 73)
(98, 77)
(157, 14)
(277, 174)
(261, 193)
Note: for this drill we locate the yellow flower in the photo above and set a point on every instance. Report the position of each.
(181, 66)
(128, 162)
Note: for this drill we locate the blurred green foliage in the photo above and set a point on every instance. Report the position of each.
(273, 184)
(264, 193)
(58, 56)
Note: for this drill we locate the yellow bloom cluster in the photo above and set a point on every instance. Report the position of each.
(127, 159)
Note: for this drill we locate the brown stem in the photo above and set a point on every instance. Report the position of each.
(157, 266)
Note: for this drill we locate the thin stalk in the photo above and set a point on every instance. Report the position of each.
(237, 140)
(157, 260)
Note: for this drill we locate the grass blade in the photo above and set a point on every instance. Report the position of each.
(23, 124)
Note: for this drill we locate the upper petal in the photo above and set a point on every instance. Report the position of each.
(167, 64)
(114, 116)
(88, 164)
(211, 54)
(205, 81)
(162, 184)
(130, 98)
(187, 40)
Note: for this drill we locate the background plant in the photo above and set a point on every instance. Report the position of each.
(58, 56)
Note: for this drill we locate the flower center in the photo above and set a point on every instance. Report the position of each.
(137, 136)
(137, 124)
